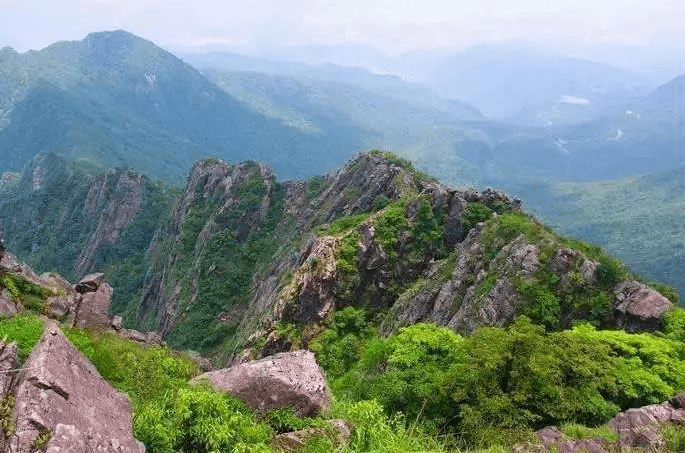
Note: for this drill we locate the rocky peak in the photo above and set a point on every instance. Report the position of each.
(367, 178)
(377, 234)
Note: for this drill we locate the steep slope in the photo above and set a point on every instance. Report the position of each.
(67, 217)
(248, 266)
(118, 100)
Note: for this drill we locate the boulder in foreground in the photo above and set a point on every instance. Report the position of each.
(63, 403)
(286, 379)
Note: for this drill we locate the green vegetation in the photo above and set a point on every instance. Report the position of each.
(497, 385)
(222, 250)
(25, 329)
(30, 295)
(49, 228)
(41, 440)
(8, 424)
(550, 300)
(474, 213)
(171, 416)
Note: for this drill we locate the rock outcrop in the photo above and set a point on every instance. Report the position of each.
(640, 427)
(117, 208)
(639, 308)
(287, 379)
(553, 439)
(339, 431)
(95, 300)
(61, 399)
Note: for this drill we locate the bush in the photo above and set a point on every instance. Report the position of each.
(474, 213)
(199, 420)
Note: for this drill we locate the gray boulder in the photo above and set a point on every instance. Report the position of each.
(60, 392)
(96, 298)
(638, 307)
(640, 427)
(285, 379)
(339, 431)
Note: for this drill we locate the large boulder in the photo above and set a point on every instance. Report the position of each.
(285, 379)
(61, 397)
(96, 298)
(638, 307)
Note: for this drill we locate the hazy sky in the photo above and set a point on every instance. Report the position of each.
(390, 25)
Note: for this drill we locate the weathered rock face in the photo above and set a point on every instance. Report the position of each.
(122, 205)
(60, 393)
(315, 282)
(639, 308)
(8, 363)
(207, 180)
(286, 379)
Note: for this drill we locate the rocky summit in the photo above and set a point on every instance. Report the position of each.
(317, 309)
(244, 255)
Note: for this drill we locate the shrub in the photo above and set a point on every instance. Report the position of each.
(474, 213)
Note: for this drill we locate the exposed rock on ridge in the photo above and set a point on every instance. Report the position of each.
(414, 251)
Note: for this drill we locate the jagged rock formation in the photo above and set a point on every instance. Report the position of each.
(287, 379)
(77, 220)
(62, 404)
(244, 254)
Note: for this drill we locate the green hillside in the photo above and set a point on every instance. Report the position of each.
(118, 100)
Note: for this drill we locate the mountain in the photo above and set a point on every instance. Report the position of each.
(379, 84)
(410, 294)
(503, 80)
(118, 100)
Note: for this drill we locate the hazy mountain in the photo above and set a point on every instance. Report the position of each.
(380, 84)
(122, 101)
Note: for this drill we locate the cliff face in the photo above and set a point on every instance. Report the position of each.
(116, 208)
(248, 267)
(68, 217)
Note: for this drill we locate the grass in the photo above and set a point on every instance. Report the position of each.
(25, 329)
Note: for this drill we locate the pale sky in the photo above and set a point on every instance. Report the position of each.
(393, 26)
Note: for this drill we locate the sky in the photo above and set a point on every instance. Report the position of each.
(392, 26)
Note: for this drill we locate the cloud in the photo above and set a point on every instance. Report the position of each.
(398, 24)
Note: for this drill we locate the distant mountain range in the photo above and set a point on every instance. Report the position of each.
(119, 100)
(116, 100)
